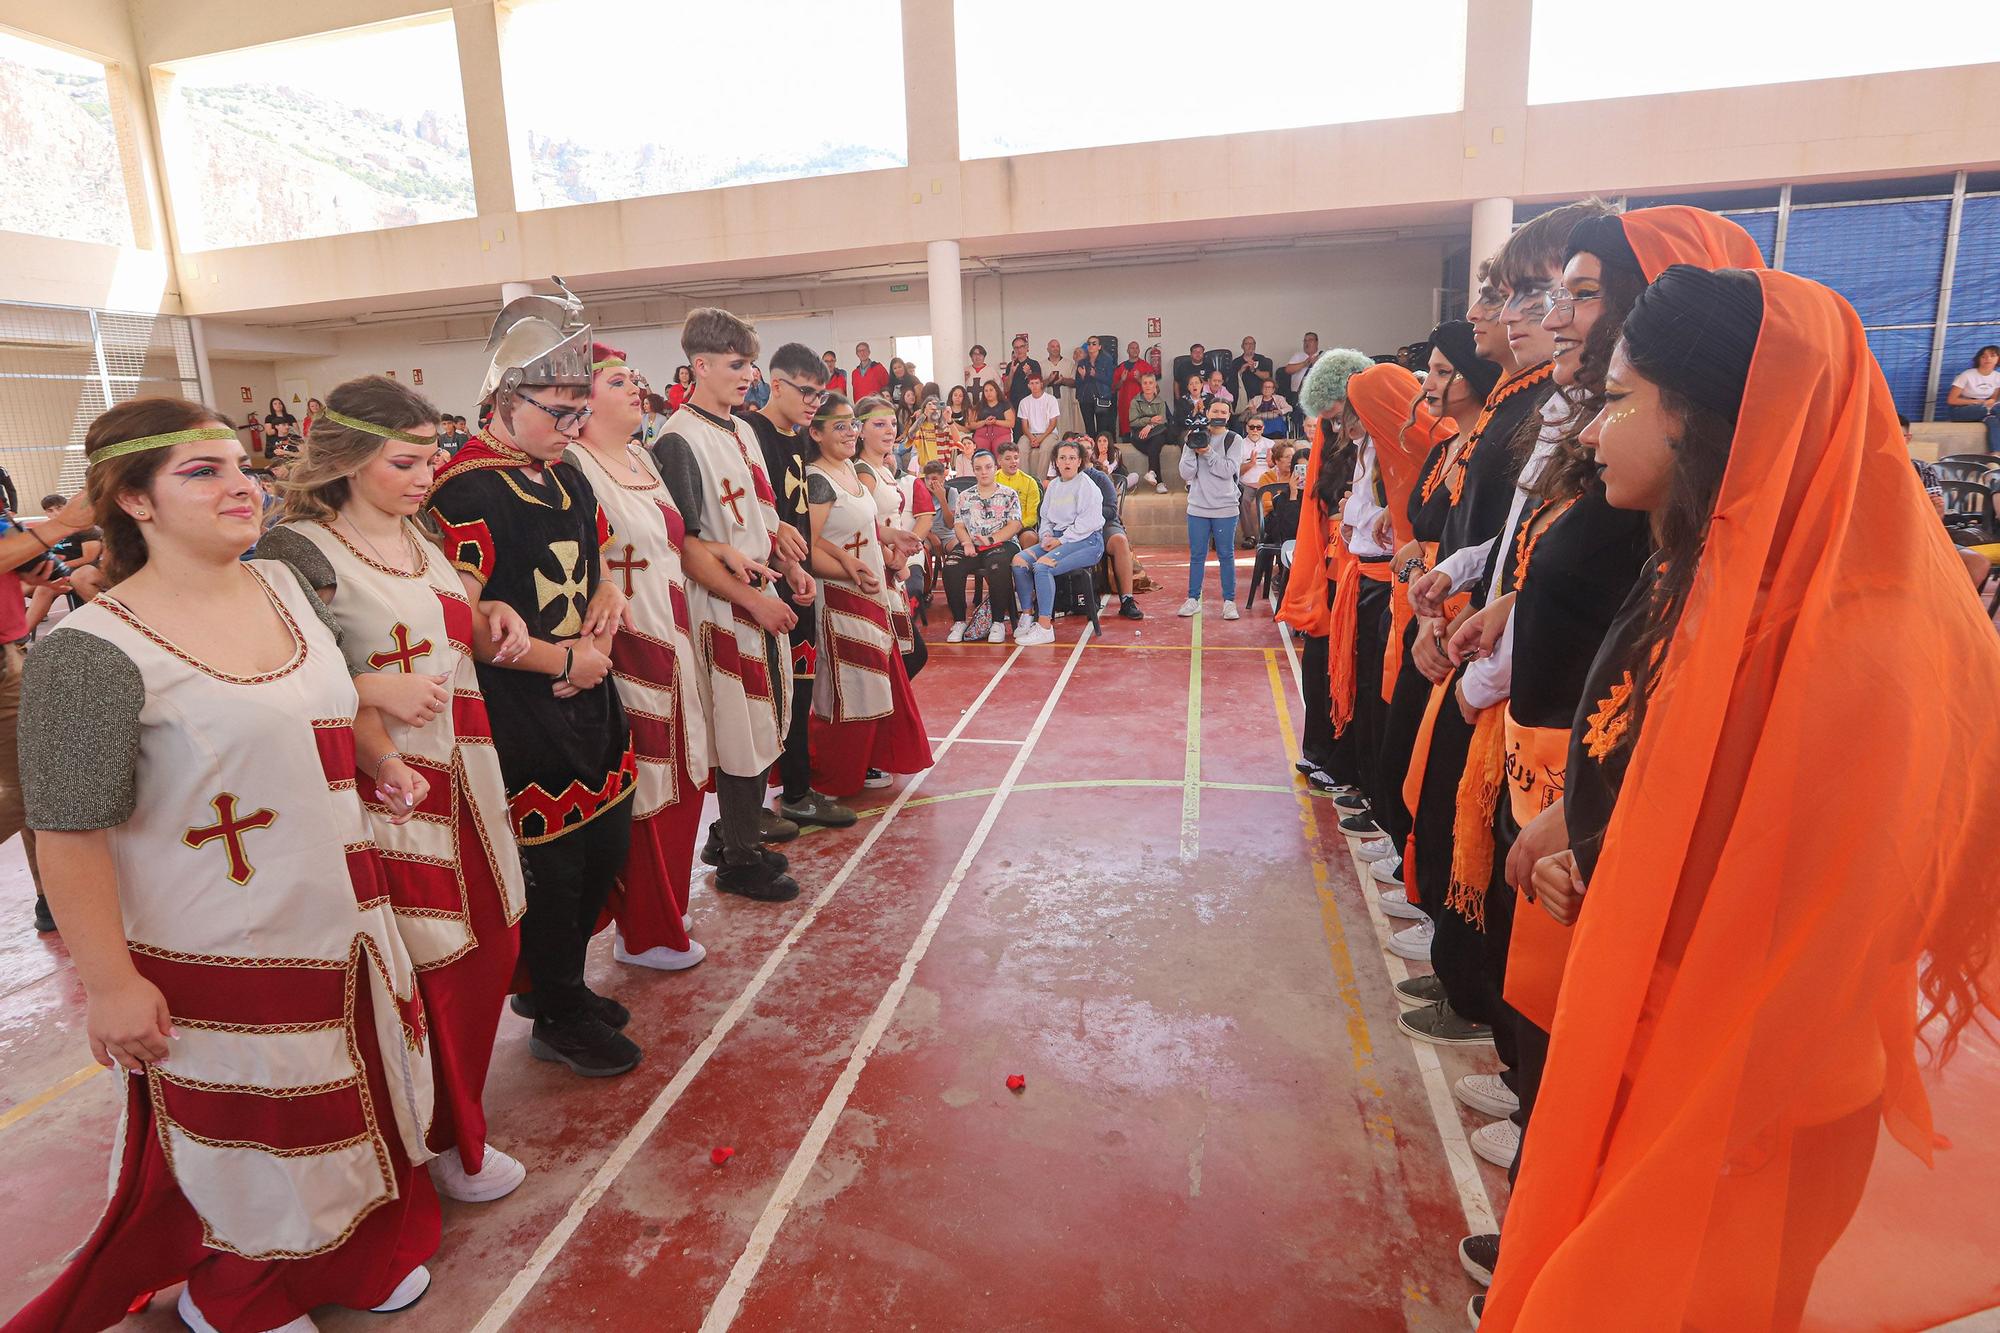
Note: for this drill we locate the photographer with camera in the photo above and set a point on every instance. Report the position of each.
(1212, 463)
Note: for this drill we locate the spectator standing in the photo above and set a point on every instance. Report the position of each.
(1191, 408)
(1125, 387)
(1095, 391)
(1058, 378)
(759, 392)
(678, 391)
(980, 371)
(1975, 395)
(869, 376)
(1212, 462)
(276, 412)
(1038, 418)
(1152, 426)
(1018, 371)
(313, 408)
(1300, 362)
(927, 439)
(654, 421)
(1248, 371)
(836, 378)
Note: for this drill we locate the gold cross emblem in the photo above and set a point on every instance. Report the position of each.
(569, 556)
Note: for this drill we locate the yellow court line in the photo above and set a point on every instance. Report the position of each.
(1344, 982)
(22, 1110)
(1191, 773)
(1098, 645)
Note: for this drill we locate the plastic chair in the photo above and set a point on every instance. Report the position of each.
(1970, 504)
(1976, 468)
(1279, 526)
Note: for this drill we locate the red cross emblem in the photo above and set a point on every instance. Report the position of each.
(230, 830)
(858, 545)
(405, 657)
(626, 566)
(731, 495)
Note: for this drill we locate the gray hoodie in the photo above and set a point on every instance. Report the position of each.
(1211, 474)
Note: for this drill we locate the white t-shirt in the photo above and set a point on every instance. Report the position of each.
(1038, 414)
(986, 374)
(1975, 385)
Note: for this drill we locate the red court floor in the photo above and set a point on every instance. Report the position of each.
(1111, 883)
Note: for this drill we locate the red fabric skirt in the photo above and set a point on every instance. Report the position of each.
(150, 1238)
(843, 752)
(463, 999)
(651, 894)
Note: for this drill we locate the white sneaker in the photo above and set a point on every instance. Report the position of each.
(956, 634)
(1499, 1142)
(1388, 871)
(998, 634)
(1396, 903)
(499, 1175)
(414, 1284)
(1152, 477)
(1026, 619)
(1229, 611)
(687, 921)
(1414, 943)
(1376, 849)
(1487, 1094)
(1191, 607)
(1160, 489)
(192, 1316)
(1035, 634)
(876, 779)
(660, 957)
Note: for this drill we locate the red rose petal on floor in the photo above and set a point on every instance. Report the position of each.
(1016, 1082)
(721, 1155)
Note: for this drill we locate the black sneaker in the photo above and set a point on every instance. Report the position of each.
(44, 921)
(1476, 1308)
(1363, 824)
(774, 827)
(814, 808)
(1322, 781)
(602, 1007)
(1353, 802)
(588, 1045)
(1128, 609)
(758, 882)
(711, 852)
(1480, 1254)
(1421, 990)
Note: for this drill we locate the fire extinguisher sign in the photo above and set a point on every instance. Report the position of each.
(1152, 326)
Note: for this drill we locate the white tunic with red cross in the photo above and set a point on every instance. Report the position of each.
(253, 899)
(856, 636)
(653, 661)
(747, 697)
(391, 621)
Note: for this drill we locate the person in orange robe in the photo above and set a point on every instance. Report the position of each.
(1779, 814)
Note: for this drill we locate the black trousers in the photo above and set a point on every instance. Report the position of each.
(1316, 740)
(1371, 633)
(1097, 417)
(992, 566)
(1524, 1050)
(1437, 811)
(920, 653)
(1400, 724)
(568, 880)
(739, 822)
(1152, 446)
(795, 762)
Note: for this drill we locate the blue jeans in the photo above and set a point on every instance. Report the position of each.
(1980, 414)
(1220, 533)
(1041, 579)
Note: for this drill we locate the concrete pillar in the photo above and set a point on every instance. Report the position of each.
(486, 132)
(204, 376)
(1492, 224)
(514, 291)
(947, 293)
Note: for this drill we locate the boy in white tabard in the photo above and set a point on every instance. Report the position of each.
(713, 464)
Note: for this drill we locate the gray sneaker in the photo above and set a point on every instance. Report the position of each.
(814, 808)
(1440, 1025)
(772, 828)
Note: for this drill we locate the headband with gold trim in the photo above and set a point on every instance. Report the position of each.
(370, 428)
(166, 441)
(608, 363)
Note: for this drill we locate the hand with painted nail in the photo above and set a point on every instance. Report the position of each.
(401, 788)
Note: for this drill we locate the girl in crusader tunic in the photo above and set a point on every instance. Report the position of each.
(193, 742)
(864, 715)
(654, 664)
(408, 632)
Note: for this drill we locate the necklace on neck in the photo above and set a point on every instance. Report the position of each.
(375, 550)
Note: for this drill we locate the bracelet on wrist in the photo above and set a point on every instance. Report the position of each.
(393, 754)
(569, 660)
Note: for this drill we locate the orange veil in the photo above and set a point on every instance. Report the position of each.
(1382, 397)
(1806, 820)
(1304, 606)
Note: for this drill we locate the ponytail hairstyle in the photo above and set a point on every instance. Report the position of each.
(129, 474)
(318, 482)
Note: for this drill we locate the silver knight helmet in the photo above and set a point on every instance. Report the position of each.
(535, 340)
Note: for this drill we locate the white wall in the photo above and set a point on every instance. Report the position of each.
(232, 375)
(1374, 297)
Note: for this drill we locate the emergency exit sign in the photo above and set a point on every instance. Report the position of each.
(899, 286)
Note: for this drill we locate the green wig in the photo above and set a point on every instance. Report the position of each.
(1326, 382)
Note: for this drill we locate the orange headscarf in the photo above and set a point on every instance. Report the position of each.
(1678, 234)
(1383, 397)
(1304, 607)
(1807, 815)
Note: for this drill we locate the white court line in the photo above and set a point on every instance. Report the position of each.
(730, 1299)
(970, 740)
(509, 1300)
(1459, 1157)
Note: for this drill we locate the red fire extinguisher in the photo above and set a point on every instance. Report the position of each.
(1153, 355)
